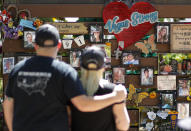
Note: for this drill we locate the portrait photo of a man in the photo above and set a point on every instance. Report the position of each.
(29, 37)
(146, 76)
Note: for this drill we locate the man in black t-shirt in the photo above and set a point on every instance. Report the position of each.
(112, 118)
(39, 88)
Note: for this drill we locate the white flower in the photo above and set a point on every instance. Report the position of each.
(162, 114)
(151, 115)
(149, 126)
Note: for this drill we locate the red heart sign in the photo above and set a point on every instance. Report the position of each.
(129, 25)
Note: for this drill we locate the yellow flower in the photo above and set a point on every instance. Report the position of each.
(20, 33)
(10, 24)
(188, 98)
(54, 19)
(152, 95)
(189, 55)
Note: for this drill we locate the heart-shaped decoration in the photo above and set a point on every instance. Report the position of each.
(128, 30)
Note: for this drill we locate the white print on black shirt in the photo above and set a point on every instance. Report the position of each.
(33, 82)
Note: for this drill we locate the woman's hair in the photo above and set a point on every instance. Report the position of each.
(90, 80)
(165, 37)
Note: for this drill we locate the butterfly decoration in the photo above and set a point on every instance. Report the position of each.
(189, 97)
(136, 97)
(148, 46)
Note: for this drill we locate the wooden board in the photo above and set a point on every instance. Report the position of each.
(95, 10)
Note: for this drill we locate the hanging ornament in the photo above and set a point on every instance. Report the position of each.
(67, 44)
(117, 53)
(80, 40)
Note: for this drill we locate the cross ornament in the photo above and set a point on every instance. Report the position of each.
(117, 53)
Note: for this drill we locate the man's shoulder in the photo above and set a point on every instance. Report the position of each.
(17, 68)
(63, 67)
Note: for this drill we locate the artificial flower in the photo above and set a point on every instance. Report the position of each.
(149, 126)
(37, 23)
(162, 114)
(152, 95)
(151, 115)
(10, 24)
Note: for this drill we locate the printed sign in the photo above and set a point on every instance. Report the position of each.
(71, 28)
(180, 38)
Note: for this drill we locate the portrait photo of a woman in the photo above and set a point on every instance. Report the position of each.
(184, 87)
(162, 34)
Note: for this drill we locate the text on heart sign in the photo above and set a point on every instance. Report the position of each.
(136, 18)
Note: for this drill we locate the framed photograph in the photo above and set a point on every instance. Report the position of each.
(130, 58)
(171, 63)
(167, 100)
(183, 87)
(166, 82)
(96, 33)
(8, 64)
(183, 110)
(59, 57)
(180, 38)
(147, 75)
(75, 58)
(118, 75)
(162, 31)
(29, 38)
(188, 66)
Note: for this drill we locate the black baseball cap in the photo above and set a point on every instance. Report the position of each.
(92, 56)
(47, 32)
